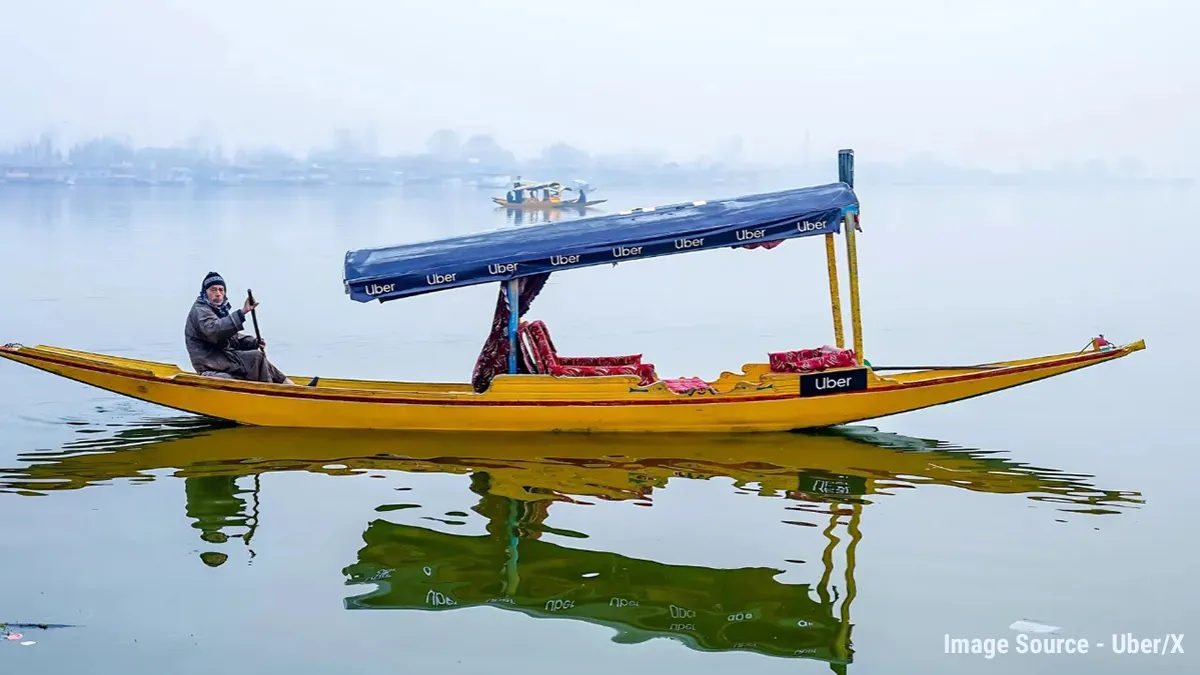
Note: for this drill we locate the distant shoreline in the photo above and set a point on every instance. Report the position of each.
(480, 162)
(60, 179)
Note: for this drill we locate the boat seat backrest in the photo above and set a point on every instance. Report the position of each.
(529, 351)
(540, 335)
(542, 358)
(540, 330)
(536, 347)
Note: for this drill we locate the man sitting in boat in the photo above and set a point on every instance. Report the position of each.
(214, 343)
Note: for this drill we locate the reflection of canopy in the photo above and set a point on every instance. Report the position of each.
(709, 609)
(511, 568)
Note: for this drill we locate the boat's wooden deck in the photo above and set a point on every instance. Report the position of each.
(170, 370)
(914, 376)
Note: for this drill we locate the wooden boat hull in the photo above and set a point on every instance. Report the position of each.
(537, 204)
(755, 400)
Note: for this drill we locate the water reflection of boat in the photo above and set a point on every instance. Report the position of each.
(829, 478)
(534, 217)
(846, 460)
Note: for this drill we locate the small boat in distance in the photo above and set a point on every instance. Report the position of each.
(522, 382)
(547, 195)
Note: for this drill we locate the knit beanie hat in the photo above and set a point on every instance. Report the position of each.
(212, 279)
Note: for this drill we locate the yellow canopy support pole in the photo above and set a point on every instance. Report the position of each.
(846, 175)
(835, 299)
(855, 314)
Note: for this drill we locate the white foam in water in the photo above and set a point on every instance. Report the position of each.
(1032, 627)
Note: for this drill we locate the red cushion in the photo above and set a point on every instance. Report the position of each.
(534, 359)
(542, 347)
(688, 385)
(645, 371)
(812, 360)
(626, 360)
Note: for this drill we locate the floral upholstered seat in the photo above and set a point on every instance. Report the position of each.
(538, 328)
(812, 360)
(688, 385)
(542, 357)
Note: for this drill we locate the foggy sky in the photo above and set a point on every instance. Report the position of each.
(999, 84)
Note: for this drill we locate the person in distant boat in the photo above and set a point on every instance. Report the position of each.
(214, 343)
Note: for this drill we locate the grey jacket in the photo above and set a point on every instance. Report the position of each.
(212, 338)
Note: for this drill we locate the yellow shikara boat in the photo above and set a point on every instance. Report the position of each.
(545, 391)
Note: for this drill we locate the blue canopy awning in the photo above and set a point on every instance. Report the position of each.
(393, 272)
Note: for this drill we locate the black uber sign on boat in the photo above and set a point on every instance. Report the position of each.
(836, 382)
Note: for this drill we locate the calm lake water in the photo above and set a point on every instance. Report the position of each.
(170, 545)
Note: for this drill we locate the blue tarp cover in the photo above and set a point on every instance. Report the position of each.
(404, 270)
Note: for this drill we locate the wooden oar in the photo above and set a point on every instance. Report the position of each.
(254, 317)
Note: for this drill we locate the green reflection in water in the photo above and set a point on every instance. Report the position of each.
(827, 478)
(511, 568)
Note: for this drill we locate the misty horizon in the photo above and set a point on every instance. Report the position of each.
(448, 153)
(1025, 85)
